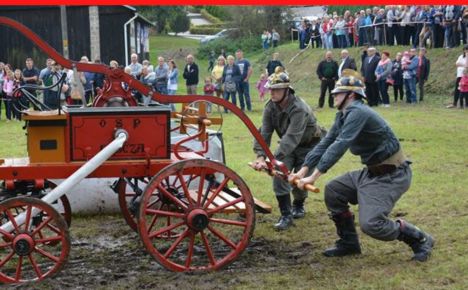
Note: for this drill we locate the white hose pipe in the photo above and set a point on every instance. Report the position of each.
(75, 178)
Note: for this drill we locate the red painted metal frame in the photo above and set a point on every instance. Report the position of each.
(111, 171)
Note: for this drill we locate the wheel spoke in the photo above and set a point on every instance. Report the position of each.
(12, 219)
(57, 231)
(173, 198)
(215, 194)
(42, 225)
(220, 208)
(165, 213)
(176, 243)
(5, 245)
(18, 269)
(185, 188)
(208, 249)
(168, 223)
(190, 251)
(6, 259)
(8, 235)
(47, 255)
(229, 222)
(166, 229)
(226, 240)
(28, 218)
(153, 221)
(36, 268)
(200, 186)
(48, 240)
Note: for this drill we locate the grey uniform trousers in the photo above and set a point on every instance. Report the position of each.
(294, 163)
(376, 196)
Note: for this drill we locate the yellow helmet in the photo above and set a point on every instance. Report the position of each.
(350, 81)
(278, 80)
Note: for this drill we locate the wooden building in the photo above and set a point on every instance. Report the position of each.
(98, 32)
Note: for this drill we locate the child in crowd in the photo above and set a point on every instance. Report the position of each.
(261, 87)
(463, 87)
(209, 90)
(405, 60)
(211, 60)
(8, 90)
(19, 101)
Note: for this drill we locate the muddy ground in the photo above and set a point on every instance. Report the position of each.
(107, 254)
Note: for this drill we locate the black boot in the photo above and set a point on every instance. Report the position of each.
(298, 209)
(285, 220)
(348, 244)
(420, 242)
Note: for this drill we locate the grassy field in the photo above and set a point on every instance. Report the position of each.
(433, 137)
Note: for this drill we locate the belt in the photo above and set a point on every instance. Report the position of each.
(389, 165)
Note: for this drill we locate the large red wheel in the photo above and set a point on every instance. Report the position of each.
(35, 249)
(214, 223)
(130, 198)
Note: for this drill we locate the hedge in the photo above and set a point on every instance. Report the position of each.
(205, 14)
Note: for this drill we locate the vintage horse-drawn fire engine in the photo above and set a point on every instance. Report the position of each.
(191, 213)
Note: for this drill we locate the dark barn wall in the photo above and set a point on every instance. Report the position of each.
(111, 26)
(15, 48)
(78, 32)
(45, 22)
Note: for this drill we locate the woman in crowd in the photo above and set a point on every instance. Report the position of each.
(397, 77)
(172, 80)
(340, 32)
(8, 93)
(438, 30)
(231, 76)
(350, 26)
(114, 64)
(406, 28)
(2, 81)
(217, 74)
(382, 72)
(461, 65)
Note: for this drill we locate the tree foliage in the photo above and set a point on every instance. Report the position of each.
(180, 23)
(161, 14)
(254, 19)
(341, 9)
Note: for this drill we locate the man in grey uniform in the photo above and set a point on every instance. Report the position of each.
(292, 119)
(375, 188)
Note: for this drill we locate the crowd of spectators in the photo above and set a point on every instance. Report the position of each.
(417, 25)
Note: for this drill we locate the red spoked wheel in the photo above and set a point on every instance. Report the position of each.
(62, 205)
(36, 248)
(214, 223)
(130, 199)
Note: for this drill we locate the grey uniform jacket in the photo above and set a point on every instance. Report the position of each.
(296, 126)
(361, 130)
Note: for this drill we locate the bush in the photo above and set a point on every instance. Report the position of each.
(205, 14)
(180, 23)
(196, 8)
(217, 11)
(341, 9)
(249, 45)
(209, 29)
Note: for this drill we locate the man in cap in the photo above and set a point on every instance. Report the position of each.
(292, 119)
(376, 188)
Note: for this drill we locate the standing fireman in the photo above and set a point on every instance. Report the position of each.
(376, 188)
(292, 119)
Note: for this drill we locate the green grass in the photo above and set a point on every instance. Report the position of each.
(433, 137)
